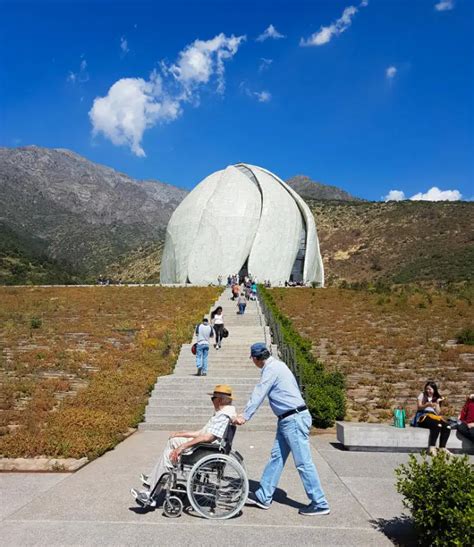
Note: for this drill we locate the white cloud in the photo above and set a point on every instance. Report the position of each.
(124, 45)
(133, 105)
(81, 76)
(395, 195)
(264, 64)
(263, 96)
(270, 33)
(444, 5)
(435, 194)
(391, 72)
(130, 107)
(201, 60)
(325, 34)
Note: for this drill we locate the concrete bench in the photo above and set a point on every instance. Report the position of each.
(386, 438)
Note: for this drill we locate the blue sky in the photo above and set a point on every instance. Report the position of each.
(370, 98)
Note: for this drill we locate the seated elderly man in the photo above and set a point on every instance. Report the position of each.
(212, 432)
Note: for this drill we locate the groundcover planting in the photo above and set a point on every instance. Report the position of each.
(78, 363)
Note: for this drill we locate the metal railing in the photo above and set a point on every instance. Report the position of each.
(286, 352)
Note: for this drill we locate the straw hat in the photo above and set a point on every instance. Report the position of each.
(222, 390)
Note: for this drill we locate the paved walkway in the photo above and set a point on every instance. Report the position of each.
(94, 506)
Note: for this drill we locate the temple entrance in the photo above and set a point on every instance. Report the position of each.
(244, 271)
(297, 272)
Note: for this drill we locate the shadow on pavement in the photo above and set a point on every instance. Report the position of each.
(279, 496)
(338, 446)
(400, 530)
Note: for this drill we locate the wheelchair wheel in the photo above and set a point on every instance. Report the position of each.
(173, 507)
(217, 487)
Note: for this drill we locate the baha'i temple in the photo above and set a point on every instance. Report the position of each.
(242, 219)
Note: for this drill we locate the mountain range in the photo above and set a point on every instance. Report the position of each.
(65, 219)
(77, 213)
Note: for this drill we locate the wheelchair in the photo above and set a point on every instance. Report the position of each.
(210, 478)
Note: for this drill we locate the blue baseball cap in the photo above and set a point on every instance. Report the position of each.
(257, 349)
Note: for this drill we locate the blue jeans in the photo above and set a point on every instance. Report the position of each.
(292, 436)
(242, 308)
(201, 357)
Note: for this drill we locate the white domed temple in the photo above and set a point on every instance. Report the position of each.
(242, 219)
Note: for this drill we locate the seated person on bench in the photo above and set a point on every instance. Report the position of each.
(212, 432)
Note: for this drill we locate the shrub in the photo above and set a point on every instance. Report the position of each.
(440, 495)
(324, 392)
(466, 336)
(35, 322)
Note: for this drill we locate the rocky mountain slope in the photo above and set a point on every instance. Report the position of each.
(83, 214)
(310, 189)
(397, 242)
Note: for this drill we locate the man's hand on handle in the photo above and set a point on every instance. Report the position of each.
(239, 420)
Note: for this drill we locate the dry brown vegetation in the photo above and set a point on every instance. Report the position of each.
(401, 242)
(387, 344)
(77, 363)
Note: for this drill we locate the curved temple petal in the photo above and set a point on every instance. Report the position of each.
(242, 217)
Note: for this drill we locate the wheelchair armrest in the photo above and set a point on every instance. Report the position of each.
(209, 446)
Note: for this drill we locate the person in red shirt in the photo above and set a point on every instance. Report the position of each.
(466, 427)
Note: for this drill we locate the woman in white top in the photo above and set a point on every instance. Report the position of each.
(429, 409)
(217, 319)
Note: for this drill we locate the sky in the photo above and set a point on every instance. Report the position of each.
(375, 97)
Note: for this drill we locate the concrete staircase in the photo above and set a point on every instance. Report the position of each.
(181, 400)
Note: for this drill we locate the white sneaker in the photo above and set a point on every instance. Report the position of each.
(143, 498)
(144, 479)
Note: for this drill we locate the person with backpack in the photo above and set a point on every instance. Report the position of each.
(428, 416)
(204, 332)
(217, 318)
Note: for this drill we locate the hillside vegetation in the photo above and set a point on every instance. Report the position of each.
(388, 343)
(24, 261)
(398, 242)
(78, 363)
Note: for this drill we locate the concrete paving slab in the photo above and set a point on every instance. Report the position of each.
(363, 464)
(18, 489)
(177, 533)
(377, 495)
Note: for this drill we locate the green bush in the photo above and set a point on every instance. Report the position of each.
(36, 322)
(324, 391)
(466, 336)
(321, 405)
(440, 496)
